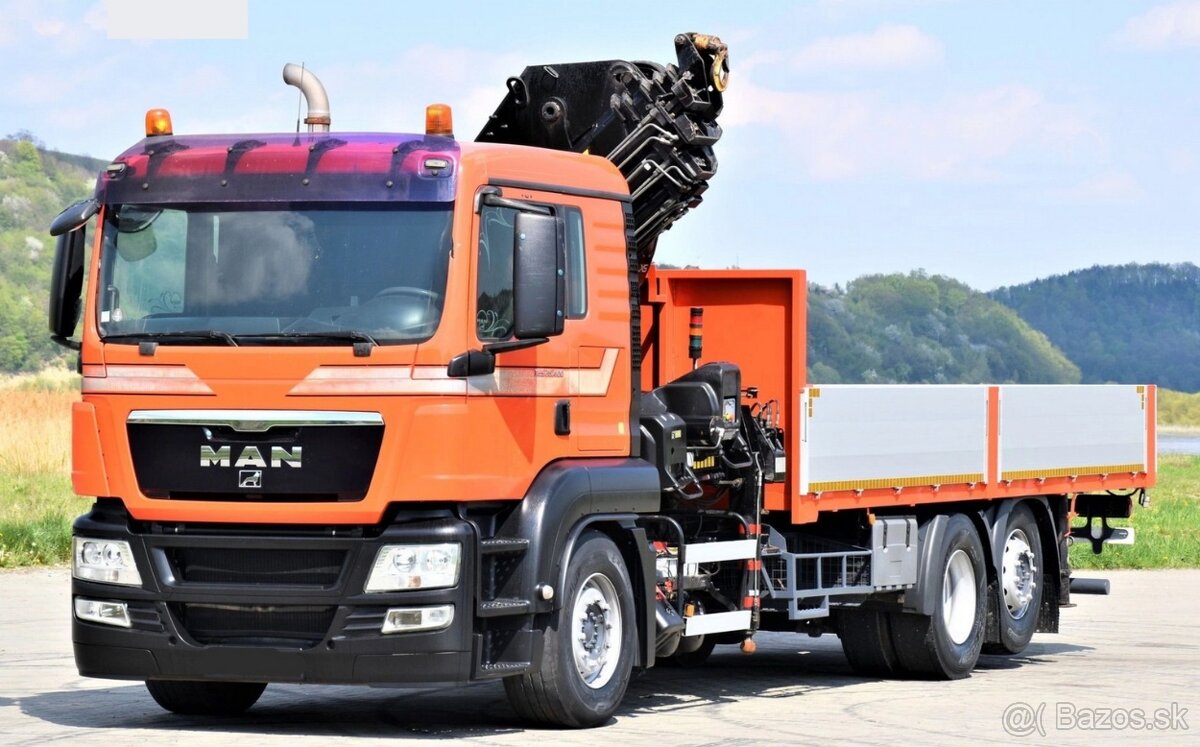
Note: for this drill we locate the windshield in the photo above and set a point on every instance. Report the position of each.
(276, 274)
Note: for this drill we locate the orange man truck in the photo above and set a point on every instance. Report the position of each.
(399, 409)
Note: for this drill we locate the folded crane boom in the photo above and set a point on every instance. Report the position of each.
(657, 123)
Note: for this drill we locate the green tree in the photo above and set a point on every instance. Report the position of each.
(923, 329)
(1126, 324)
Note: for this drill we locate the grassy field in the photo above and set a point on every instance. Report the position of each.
(1178, 408)
(1167, 536)
(37, 505)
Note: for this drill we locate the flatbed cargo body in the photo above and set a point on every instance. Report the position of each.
(865, 447)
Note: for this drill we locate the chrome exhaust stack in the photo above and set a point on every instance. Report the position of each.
(314, 96)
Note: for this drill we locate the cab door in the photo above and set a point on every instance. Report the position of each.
(570, 395)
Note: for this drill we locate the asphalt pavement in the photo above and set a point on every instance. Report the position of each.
(1125, 668)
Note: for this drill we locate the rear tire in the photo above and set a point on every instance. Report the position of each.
(205, 698)
(866, 637)
(946, 644)
(588, 649)
(1019, 600)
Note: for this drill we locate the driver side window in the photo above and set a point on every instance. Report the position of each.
(494, 305)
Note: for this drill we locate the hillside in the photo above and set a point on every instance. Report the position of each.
(920, 329)
(1124, 324)
(34, 186)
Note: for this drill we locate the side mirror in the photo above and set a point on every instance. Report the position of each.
(66, 287)
(539, 276)
(74, 216)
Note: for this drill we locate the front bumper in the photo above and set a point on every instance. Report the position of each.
(272, 604)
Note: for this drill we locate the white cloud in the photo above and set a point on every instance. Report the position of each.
(366, 96)
(47, 31)
(1165, 26)
(1109, 188)
(202, 79)
(832, 136)
(886, 48)
(392, 96)
(275, 111)
(48, 27)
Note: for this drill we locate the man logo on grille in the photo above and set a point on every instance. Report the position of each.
(250, 478)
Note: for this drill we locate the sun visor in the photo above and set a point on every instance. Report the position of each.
(340, 167)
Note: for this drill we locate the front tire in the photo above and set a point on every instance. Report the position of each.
(696, 657)
(946, 644)
(205, 698)
(587, 656)
(1020, 598)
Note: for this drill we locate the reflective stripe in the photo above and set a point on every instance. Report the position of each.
(335, 380)
(433, 380)
(548, 382)
(881, 483)
(145, 380)
(1096, 469)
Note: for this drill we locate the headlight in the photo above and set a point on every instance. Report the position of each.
(107, 561)
(415, 567)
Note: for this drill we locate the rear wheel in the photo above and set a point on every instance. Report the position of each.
(867, 641)
(946, 644)
(588, 652)
(205, 698)
(1020, 598)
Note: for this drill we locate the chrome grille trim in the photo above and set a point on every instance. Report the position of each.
(254, 421)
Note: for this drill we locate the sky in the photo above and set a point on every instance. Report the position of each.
(991, 142)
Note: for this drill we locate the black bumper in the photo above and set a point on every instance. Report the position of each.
(257, 608)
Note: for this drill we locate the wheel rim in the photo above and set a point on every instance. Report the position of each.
(1019, 574)
(959, 597)
(596, 631)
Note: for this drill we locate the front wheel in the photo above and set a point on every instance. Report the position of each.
(205, 698)
(589, 647)
(693, 657)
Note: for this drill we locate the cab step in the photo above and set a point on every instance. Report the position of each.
(503, 545)
(504, 669)
(504, 606)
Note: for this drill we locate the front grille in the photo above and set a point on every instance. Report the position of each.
(213, 462)
(226, 565)
(255, 625)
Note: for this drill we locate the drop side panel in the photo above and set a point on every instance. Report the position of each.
(1055, 431)
(884, 446)
(859, 437)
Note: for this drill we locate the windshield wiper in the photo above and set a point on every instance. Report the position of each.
(345, 335)
(362, 341)
(195, 335)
